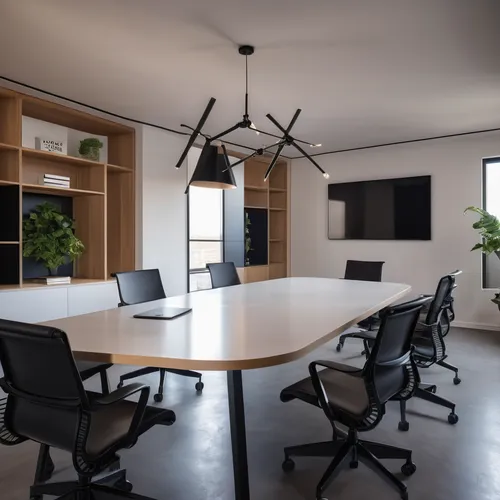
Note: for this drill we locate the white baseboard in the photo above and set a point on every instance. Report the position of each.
(475, 326)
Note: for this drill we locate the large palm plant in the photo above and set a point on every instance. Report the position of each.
(488, 227)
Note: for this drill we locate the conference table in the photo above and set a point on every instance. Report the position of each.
(231, 329)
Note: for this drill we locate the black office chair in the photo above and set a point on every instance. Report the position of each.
(361, 270)
(356, 398)
(136, 287)
(87, 369)
(47, 403)
(223, 274)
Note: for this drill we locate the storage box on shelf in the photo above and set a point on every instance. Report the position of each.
(102, 192)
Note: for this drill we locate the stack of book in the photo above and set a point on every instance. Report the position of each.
(60, 181)
(53, 280)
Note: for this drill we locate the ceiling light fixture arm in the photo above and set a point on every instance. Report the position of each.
(196, 131)
(257, 152)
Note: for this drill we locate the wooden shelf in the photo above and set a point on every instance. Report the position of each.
(59, 158)
(74, 282)
(118, 169)
(259, 207)
(9, 242)
(8, 147)
(8, 183)
(256, 188)
(277, 190)
(276, 240)
(35, 188)
(278, 209)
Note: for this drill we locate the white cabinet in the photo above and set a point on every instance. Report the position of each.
(92, 298)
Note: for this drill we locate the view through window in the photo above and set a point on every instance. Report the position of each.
(205, 234)
(491, 203)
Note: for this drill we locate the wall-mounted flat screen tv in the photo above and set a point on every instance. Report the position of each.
(386, 209)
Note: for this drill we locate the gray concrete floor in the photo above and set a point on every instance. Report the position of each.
(192, 459)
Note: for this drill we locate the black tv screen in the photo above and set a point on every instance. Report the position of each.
(387, 209)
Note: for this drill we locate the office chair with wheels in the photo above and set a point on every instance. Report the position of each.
(137, 287)
(223, 274)
(87, 369)
(361, 270)
(47, 403)
(356, 398)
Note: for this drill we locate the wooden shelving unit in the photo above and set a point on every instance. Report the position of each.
(101, 197)
(271, 197)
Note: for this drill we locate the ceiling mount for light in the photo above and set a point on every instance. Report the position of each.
(208, 172)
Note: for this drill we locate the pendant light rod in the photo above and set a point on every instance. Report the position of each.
(196, 131)
(257, 152)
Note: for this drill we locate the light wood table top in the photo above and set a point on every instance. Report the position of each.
(235, 328)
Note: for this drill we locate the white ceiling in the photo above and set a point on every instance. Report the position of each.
(364, 72)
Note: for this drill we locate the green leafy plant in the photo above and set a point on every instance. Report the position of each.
(488, 227)
(48, 237)
(90, 148)
(248, 240)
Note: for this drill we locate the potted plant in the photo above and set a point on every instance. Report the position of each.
(488, 227)
(48, 237)
(90, 148)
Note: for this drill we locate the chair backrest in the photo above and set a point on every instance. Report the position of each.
(223, 274)
(135, 287)
(386, 365)
(363, 270)
(442, 297)
(43, 385)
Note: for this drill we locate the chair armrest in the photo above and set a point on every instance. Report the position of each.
(122, 393)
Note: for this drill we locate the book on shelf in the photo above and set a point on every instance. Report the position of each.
(47, 181)
(57, 177)
(52, 280)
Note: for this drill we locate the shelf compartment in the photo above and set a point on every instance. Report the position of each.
(278, 225)
(121, 150)
(116, 169)
(10, 119)
(277, 200)
(254, 174)
(256, 188)
(258, 232)
(90, 177)
(8, 147)
(36, 188)
(59, 158)
(9, 265)
(10, 207)
(257, 199)
(278, 177)
(277, 271)
(9, 165)
(277, 252)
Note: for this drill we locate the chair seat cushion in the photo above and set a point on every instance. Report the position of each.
(424, 350)
(88, 369)
(345, 389)
(111, 424)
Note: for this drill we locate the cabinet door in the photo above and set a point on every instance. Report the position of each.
(86, 299)
(34, 306)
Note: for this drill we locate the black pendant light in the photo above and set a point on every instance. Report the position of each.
(212, 169)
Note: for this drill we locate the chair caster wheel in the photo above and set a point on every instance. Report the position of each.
(409, 468)
(158, 398)
(404, 426)
(288, 465)
(457, 380)
(199, 386)
(353, 464)
(124, 485)
(452, 418)
(339, 347)
(120, 385)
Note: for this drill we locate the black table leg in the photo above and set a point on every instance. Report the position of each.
(238, 435)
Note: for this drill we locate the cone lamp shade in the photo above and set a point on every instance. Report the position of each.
(212, 170)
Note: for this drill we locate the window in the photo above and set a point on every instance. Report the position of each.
(205, 234)
(491, 203)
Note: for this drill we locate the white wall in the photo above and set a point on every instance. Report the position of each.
(455, 166)
(163, 213)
